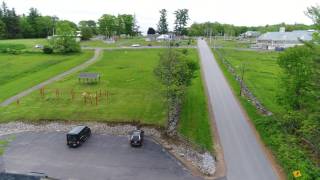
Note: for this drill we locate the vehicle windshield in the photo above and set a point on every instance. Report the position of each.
(71, 138)
(135, 138)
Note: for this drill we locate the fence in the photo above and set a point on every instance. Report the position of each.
(244, 88)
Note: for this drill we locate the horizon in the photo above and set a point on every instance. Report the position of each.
(215, 11)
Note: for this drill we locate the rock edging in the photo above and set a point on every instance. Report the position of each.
(245, 90)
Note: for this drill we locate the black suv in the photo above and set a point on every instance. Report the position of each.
(136, 138)
(78, 135)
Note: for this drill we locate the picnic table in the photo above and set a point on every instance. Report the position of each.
(89, 77)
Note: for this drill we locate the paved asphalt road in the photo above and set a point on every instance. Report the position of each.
(102, 157)
(243, 155)
(55, 78)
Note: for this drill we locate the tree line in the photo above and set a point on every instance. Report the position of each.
(30, 25)
(218, 29)
(180, 23)
(110, 25)
(35, 25)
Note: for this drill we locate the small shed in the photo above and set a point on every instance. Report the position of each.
(89, 77)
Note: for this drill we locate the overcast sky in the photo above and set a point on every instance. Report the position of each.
(238, 12)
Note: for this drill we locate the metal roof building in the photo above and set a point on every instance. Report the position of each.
(272, 40)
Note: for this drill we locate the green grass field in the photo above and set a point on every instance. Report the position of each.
(134, 93)
(20, 44)
(129, 42)
(129, 92)
(194, 123)
(28, 44)
(19, 72)
(229, 43)
(120, 42)
(263, 75)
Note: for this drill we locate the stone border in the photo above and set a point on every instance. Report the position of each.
(200, 164)
(245, 90)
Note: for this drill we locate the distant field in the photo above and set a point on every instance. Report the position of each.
(229, 43)
(129, 92)
(130, 41)
(19, 44)
(28, 44)
(19, 72)
(261, 75)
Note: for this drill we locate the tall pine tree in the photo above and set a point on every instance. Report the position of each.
(163, 24)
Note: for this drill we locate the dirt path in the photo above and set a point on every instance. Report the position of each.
(53, 79)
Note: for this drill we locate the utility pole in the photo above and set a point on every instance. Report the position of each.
(210, 36)
(242, 69)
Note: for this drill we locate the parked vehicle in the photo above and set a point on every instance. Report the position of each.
(78, 135)
(279, 49)
(136, 138)
(135, 45)
(38, 46)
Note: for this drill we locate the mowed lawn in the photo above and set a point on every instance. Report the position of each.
(194, 123)
(261, 73)
(124, 42)
(19, 72)
(130, 92)
(229, 43)
(27, 44)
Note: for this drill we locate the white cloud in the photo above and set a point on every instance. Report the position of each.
(239, 12)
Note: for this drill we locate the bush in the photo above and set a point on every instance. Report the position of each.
(47, 50)
(65, 44)
(177, 44)
(185, 51)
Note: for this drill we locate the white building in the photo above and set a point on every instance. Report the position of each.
(282, 39)
(165, 37)
(250, 34)
(77, 36)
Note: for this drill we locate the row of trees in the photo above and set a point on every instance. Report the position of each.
(32, 25)
(176, 71)
(301, 89)
(218, 29)
(180, 23)
(110, 25)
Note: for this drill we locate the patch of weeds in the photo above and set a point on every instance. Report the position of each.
(5, 142)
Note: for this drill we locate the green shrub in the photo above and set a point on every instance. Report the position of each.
(185, 51)
(47, 50)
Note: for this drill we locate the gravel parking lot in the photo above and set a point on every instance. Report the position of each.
(101, 157)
